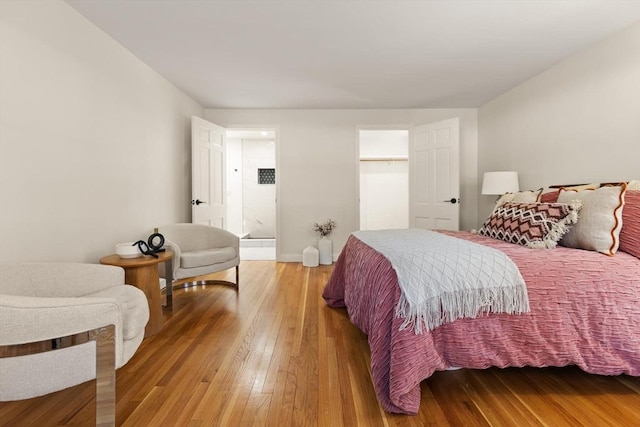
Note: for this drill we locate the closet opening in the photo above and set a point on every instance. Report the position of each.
(384, 178)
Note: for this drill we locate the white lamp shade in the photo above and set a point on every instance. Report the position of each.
(500, 183)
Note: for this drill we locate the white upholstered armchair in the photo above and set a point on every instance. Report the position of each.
(62, 324)
(200, 249)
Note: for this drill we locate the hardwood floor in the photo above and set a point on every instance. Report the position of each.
(275, 355)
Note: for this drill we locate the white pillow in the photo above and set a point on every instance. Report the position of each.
(634, 185)
(583, 187)
(532, 196)
(600, 220)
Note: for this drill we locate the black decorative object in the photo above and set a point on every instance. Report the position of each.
(152, 241)
(153, 245)
(266, 176)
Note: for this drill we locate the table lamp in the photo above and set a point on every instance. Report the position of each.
(498, 183)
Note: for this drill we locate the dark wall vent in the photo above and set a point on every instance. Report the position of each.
(266, 176)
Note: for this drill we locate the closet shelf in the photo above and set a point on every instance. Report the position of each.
(384, 159)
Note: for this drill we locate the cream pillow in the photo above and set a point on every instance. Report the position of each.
(600, 221)
(634, 185)
(583, 187)
(532, 196)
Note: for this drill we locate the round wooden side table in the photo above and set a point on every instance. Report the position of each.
(142, 272)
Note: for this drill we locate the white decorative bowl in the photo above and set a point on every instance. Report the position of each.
(128, 250)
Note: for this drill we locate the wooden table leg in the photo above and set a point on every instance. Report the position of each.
(168, 268)
(146, 278)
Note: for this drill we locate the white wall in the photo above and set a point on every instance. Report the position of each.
(251, 207)
(258, 200)
(94, 145)
(578, 121)
(317, 165)
(234, 185)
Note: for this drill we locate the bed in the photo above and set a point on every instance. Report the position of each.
(584, 311)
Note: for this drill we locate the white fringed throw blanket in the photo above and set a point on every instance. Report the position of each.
(443, 278)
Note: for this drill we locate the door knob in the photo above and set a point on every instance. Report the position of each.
(197, 202)
(452, 200)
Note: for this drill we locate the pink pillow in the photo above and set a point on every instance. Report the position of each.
(550, 197)
(630, 233)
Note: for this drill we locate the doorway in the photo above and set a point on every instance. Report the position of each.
(251, 191)
(384, 178)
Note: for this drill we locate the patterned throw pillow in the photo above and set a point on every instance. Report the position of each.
(535, 225)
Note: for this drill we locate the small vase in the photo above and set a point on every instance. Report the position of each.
(310, 257)
(325, 246)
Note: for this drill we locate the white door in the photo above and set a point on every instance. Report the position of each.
(434, 175)
(208, 173)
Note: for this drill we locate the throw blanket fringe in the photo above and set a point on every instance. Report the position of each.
(555, 233)
(443, 278)
(450, 306)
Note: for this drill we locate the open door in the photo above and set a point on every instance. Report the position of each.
(434, 175)
(208, 173)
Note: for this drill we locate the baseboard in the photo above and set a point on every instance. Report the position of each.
(297, 258)
(289, 258)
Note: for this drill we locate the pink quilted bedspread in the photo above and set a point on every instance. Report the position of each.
(585, 311)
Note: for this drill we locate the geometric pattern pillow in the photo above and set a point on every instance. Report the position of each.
(630, 232)
(535, 225)
(600, 218)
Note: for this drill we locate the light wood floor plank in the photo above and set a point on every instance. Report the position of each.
(273, 354)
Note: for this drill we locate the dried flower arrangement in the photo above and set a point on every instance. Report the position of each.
(324, 229)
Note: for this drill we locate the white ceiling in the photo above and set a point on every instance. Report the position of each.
(350, 53)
